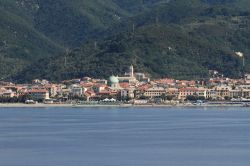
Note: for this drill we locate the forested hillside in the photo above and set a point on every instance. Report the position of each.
(35, 29)
(20, 42)
(177, 38)
(72, 22)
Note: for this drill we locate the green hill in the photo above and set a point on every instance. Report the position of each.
(177, 38)
(20, 42)
(72, 22)
(181, 39)
(35, 29)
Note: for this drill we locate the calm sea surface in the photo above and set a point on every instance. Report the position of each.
(125, 137)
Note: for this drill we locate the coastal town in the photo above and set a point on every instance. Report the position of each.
(131, 88)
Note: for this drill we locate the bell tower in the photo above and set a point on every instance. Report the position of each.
(131, 71)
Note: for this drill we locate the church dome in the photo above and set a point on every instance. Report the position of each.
(113, 80)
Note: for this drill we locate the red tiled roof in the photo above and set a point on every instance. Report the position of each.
(87, 85)
(89, 92)
(100, 85)
(38, 91)
(124, 85)
(104, 92)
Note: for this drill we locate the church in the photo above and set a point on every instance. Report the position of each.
(129, 77)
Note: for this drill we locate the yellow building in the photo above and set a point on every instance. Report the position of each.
(155, 92)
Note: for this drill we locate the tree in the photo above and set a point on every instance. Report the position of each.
(192, 98)
(143, 97)
(170, 97)
(227, 98)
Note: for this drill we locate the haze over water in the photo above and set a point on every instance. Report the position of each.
(124, 137)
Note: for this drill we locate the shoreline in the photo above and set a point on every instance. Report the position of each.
(20, 105)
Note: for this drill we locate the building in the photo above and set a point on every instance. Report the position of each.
(245, 93)
(247, 78)
(185, 92)
(202, 92)
(222, 91)
(174, 92)
(99, 88)
(129, 77)
(100, 81)
(38, 94)
(127, 93)
(131, 71)
(114, 83)
(53, 89)
(8, 94)
(142, 77)
(154, 92)
(211, 94)
(235, 93)
(76, 90)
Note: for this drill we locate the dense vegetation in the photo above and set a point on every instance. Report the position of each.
(20, 42)
(35, 29)
(182, 39)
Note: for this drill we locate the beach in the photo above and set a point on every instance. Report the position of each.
(42, 105)
(20, 105)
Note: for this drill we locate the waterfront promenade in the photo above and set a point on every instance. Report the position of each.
(41, 105)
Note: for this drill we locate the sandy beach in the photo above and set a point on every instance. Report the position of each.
(41, 105)
(20, 105)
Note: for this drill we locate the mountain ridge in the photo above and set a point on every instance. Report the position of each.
(203, 34)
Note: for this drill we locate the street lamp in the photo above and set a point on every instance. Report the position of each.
(241, 55)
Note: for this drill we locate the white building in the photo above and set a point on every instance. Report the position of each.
(76, 90)
(247, 78)
(127, 93)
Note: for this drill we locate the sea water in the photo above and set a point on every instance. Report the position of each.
(125, 136)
